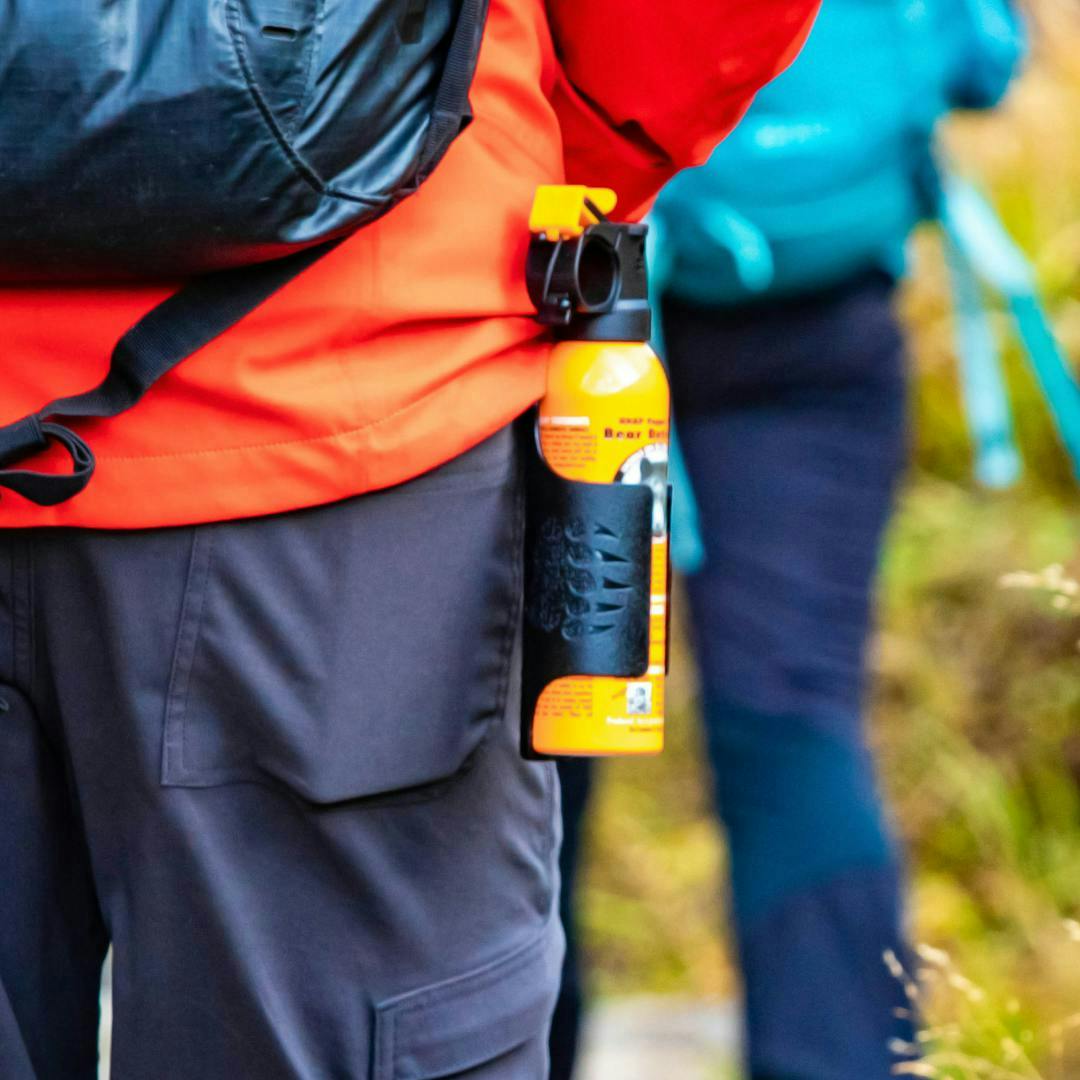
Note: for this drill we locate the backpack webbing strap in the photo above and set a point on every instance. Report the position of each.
(189, 319)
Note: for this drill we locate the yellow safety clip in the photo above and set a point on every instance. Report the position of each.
(563, 211)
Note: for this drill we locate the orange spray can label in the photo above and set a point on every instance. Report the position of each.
(605, 420)
(595, 677)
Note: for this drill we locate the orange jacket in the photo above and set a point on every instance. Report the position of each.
(413, 340)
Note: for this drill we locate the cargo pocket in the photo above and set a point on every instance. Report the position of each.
(356, 650)
(452, 1027)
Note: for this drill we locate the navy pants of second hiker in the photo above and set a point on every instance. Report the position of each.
(275, 764)
(792, 420)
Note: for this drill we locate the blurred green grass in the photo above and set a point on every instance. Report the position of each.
(976, 696)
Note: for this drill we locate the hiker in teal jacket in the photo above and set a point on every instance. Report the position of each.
(777, 263)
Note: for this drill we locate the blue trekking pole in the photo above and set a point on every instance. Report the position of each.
(982, 385)
(979, 245)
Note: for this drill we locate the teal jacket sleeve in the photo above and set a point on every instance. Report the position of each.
(994, 42)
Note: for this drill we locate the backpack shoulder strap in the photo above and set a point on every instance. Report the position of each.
(202, 310)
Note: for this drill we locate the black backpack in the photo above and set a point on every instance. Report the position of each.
(229, 143)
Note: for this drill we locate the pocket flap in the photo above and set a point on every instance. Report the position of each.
(444, 1029)
(357, 650)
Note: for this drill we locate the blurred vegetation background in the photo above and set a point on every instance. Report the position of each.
(976, 695)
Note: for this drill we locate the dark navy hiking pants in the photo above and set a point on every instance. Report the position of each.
(792, 418)
(274, 763)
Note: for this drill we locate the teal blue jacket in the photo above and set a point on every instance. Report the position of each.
(831, 168)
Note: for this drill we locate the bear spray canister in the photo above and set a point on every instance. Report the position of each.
(604, 420)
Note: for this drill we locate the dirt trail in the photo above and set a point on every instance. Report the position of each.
(658, 1038)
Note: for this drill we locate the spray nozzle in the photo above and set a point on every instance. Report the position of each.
(586, 274)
